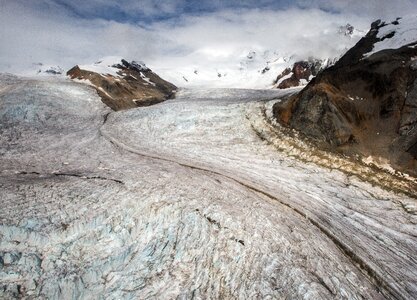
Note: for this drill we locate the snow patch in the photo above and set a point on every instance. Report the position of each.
(284, 78)
(84, 81)
(146, 79)
(303, 81)
(104, 66)
(104, 92)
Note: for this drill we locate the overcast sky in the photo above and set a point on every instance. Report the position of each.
(69, 32)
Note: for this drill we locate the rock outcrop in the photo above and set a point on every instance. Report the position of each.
(367, 102)
(301, 73)
(122, 84)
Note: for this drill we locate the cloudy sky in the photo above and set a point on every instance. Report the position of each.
(69, 32)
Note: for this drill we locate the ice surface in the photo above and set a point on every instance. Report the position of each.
(183, 199)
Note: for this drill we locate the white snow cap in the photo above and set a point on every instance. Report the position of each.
(104, 66)
(43, 70)
(48, 70)
(396, 34)
(110, 66)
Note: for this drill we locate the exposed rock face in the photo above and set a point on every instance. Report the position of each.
(366, 103)
(301, 73)
(123, 85)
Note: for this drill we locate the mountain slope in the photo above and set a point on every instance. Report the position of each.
(366, 103)
(256, 65)
(123, 85)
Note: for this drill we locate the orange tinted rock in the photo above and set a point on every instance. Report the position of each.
(362, 105)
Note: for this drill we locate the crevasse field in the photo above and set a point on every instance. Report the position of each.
(184, 200)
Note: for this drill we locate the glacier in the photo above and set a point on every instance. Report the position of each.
(184, 199)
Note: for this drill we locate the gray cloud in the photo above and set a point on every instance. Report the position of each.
(371, 9)
(45, 31)
(33, 36)
(104, 9)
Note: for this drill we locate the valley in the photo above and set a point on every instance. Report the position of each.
(184, 199)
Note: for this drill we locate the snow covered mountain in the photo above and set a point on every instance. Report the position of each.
(366, 103)
(251, 69)
(395, 35)
(255, 67)
(43, 69)
(122, 84)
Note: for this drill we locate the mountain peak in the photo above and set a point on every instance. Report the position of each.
(394, 34)
(365, 104)
(122, 84)
(109, 65)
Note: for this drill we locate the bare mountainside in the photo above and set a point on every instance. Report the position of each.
(122, 84)
(184, 199)
(366, 104)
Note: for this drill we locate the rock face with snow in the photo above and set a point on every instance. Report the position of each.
(253, 66)
(122, 84)
(258, 70)
(366, 103)
(48, 69)
(301, 73)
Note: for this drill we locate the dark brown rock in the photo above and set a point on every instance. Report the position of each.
(135, 85)
(362, 105)
(301, 70)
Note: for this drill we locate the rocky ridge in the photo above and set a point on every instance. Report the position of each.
(43, 69)
(366, 104)
(122, 84)
(301, 72)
